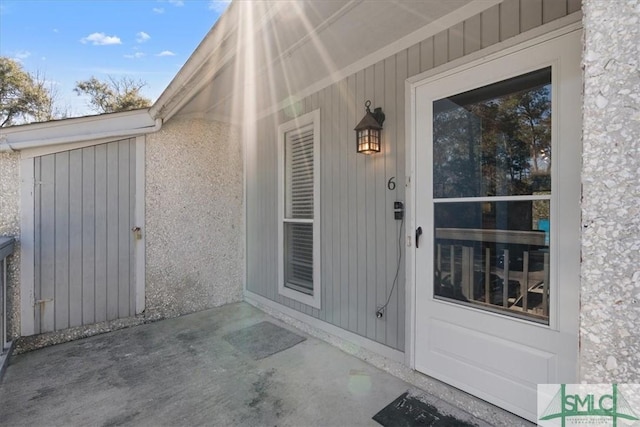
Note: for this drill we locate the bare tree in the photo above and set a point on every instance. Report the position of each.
(113, 95)
(52, 108)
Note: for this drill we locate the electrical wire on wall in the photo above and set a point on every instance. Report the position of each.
(380, 310)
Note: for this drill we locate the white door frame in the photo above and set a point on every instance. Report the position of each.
(27, 228)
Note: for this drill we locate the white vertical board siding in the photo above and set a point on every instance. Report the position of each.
(358, 232)
(350, 298)
(401, 62)
(89, 235)
(84, 210)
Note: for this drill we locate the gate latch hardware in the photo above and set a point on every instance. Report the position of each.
(137, 231)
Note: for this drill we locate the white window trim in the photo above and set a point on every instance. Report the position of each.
(311, 118)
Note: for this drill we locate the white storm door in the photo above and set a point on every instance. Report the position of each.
(497, 172)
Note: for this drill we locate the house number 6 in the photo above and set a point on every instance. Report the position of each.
(391, 184)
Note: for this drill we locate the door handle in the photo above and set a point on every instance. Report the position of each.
(418, 234)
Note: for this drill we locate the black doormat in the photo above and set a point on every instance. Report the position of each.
(408, 411)
(262, 340)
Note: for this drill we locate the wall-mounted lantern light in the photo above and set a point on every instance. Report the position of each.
(369, 131)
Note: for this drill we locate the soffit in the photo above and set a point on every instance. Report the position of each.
(303, 43)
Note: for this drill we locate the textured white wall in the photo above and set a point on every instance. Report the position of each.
(610, 313)
(194, 214)
(10, 226)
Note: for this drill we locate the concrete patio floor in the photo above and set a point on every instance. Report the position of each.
(182, 371)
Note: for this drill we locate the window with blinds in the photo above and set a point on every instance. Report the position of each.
(299, 206)
(298, 231)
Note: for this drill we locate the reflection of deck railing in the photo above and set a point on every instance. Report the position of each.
(517, 237)
(6, 249)
(479, 273)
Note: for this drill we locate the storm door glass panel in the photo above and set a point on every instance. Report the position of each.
(492, 196)
(299, 209)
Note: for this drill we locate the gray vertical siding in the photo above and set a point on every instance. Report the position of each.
(359, 235)
(84, 205)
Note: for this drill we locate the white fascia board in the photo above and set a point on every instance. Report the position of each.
(129, 123)
(211, 55)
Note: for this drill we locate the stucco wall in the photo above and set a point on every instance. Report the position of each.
(194, 214)
(610, 338)
(10, 226)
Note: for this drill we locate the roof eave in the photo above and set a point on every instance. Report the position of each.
(123, 124)
(190, 76)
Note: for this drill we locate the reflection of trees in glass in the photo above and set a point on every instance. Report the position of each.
(493, 144)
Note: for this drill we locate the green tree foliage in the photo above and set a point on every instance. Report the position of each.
(113, 95)
(23, 98)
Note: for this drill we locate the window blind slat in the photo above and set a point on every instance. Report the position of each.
(299, 254)
(299, 179)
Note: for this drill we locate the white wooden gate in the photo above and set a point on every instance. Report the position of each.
(84, 209)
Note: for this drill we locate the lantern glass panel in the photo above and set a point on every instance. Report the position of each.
(368, 141)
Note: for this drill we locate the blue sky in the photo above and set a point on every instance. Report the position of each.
(68, 41)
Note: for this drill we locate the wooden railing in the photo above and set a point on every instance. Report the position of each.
(514, 278)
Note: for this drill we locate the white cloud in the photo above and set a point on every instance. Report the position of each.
(136, 55)
(22, 54)
(178, 3)
(158, 10)
(101, 39)
(142, 37)
(166, 53)
(219, 6)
